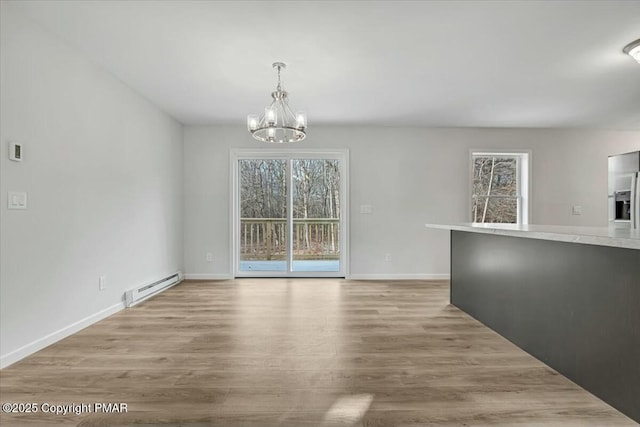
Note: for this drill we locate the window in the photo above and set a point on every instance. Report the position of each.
(499, 187)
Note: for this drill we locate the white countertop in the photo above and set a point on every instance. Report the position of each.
(603, 236)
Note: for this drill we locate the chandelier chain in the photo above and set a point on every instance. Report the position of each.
(279, 82)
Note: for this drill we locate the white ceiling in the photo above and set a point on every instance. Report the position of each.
(417, 63)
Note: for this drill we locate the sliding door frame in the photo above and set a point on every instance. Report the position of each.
(235, 155)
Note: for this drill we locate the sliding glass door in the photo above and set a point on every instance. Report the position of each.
(289, 210)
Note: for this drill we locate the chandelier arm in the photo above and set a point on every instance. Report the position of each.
(288, 109)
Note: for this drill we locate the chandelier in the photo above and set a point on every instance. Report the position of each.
(278, 124)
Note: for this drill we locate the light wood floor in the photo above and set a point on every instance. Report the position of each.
(314, 352)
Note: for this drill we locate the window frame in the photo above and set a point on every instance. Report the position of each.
(523, 182)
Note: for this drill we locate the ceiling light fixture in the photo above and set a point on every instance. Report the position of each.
(278, 124)
(633, 50)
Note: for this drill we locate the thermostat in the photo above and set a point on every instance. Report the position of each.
(15, 151)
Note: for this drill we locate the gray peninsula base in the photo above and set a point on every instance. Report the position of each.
(575, 307)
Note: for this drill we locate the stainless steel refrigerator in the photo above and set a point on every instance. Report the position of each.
(624, 186)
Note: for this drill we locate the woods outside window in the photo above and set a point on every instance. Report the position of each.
(499, 187)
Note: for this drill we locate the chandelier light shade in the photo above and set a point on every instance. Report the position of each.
(633, 50)
(278, 124)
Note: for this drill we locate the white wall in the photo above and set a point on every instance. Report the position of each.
(103, 172)
(411, 176)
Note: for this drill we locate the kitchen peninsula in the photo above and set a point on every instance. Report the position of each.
(570, 296)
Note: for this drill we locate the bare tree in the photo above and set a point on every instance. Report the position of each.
(494, 189)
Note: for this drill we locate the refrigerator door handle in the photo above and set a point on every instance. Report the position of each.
(635, 201)
(612, 208)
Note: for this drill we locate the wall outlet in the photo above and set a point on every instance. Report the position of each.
(102, 283)
(366, 209)
(209, 257)
(387, 257)
(576, 210)
(16, 200)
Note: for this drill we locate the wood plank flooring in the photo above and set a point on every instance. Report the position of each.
(298, 352)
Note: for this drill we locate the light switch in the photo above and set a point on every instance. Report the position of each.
(17, 200)
(577, 210)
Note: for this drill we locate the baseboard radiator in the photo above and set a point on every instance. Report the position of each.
(143, 292)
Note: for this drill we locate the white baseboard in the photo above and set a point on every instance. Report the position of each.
(40, 343)
(189, 276)
(208, 276)
(399, 277)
